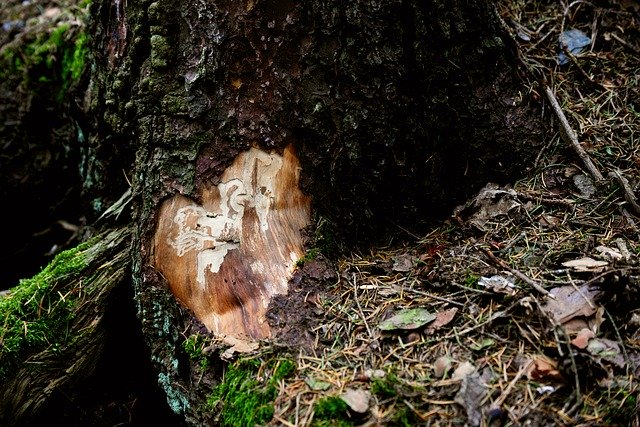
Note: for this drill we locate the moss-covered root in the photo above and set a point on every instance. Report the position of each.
(52, 331)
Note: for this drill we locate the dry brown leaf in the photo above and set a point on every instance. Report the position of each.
(610, 253)
(473, 392)
(607, 350)
(570, 302)
(583, 338)
(575, 325)
(402, 263)
(543, 368)
(463, 370)
(442, 318)
(499, 284)
(237, 346)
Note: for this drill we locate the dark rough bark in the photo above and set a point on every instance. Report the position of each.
(397, 109)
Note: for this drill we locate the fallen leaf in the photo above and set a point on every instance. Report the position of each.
(574, 326)
(463, 370)
(485, 343)
(549, 221)
(442, 318)
(441, 366)
(317, 385)
(586, 264)
(356, 399)
(541, 367)
(610, 253)
(490, 202)
(402, 263)
(499, 284)
(472, 393)
(583, 338)
(585, 185)
(237, 346)
(569, 302)
(607, 350)
(411, 318)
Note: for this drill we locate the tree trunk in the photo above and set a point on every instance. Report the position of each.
(238, 123)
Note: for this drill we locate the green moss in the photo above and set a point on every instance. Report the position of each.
(385, 387)
(244, 398)
(74, 58)
(194, 346)
(160, 51)
(471, 280)
(331, 411)
(618, 405)
(50, 63)
(310, 255)
(35, 315)
(405, 417)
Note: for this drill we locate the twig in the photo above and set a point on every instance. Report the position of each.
(569, 136)
(574, 367)
(626, 188)
(625, 43)
(437, 298)
(500, 400)
(518, 274)
(355, 297)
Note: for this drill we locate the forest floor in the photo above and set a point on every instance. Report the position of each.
(524, 307)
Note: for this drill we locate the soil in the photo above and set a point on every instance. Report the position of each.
(294, 317)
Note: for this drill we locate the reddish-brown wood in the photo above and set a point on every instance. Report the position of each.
(226, 258)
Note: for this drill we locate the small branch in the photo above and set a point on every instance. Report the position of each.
(569, 136)
(625, 43)
(517, 273)
(626, 188)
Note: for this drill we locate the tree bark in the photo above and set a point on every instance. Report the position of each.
(238, 122)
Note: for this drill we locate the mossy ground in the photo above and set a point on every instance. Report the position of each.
(249, 387)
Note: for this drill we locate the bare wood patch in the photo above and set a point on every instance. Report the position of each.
(226, 258)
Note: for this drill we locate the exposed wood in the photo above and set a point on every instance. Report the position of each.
(225, 258)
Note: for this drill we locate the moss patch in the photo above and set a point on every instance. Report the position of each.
(34, 315)
(331, 411)
(50, 63)
(194, 347)
(246, 395)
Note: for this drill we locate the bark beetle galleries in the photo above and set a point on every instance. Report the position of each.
(225, 259)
